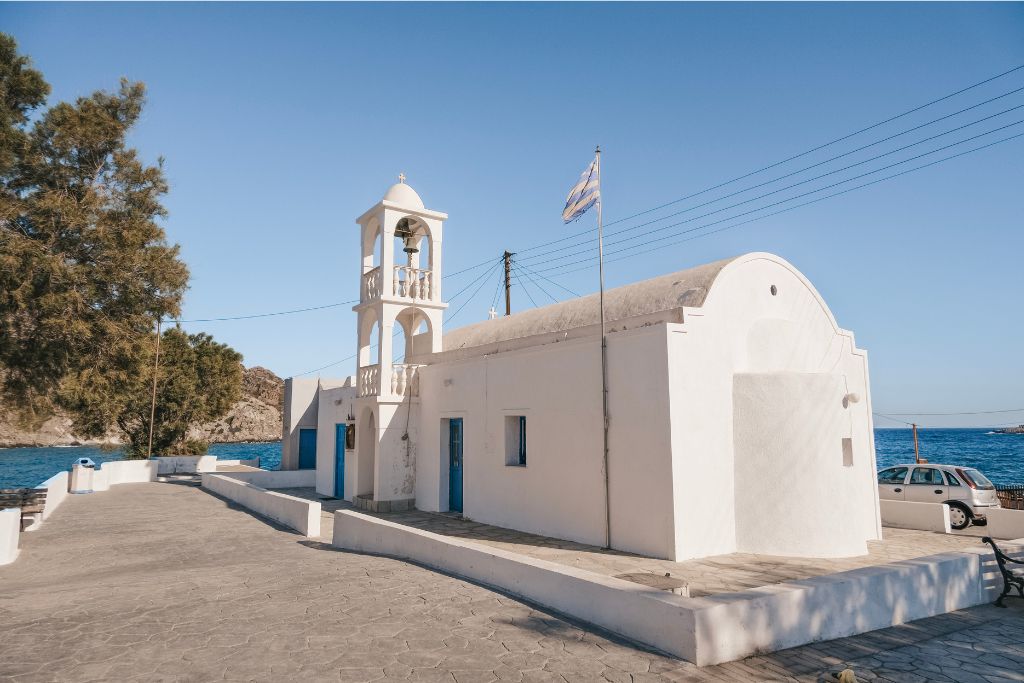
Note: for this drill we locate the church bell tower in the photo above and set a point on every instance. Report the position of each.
(400, 292)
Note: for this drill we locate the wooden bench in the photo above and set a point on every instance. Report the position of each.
(31, 502)
(1012, 577)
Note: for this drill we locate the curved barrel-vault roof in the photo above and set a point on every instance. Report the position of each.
(666, 292)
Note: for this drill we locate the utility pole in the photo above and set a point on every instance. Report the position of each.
(152, 406)
(917, 455)
(508, 282)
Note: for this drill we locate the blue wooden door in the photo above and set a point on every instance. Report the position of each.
(339, 461)
(307, 449)
(455, 464)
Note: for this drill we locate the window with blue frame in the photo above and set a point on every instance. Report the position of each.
(515, 440)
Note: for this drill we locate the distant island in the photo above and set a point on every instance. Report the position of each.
(255, 417)
(1019, 429)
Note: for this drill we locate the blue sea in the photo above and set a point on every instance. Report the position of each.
(26, 467)
(998, 456)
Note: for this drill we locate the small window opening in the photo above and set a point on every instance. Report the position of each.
(515, 440)
(774, 290)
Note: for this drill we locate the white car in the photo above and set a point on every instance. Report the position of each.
(967, 491)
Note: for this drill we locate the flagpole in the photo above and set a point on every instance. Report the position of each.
(604, 362)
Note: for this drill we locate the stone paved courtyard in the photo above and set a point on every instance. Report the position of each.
(707, 576)
(165, 582)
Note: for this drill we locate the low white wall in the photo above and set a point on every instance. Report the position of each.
(100, 479)
(637, 612)
(708, 630)
(10, 529)
(128, 472)
(254, 462)
(186, 464)
(786, 615)
(275, 479)
(924, 516)
(1005, 523)
(56, 491)
(295, 513)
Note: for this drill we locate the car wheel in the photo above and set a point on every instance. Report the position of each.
(959, 516)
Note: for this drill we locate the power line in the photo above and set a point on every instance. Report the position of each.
(264, 315)
(774, 213)
(977, 412)
(788, 159)
(789, 187)
(536, 284)
(523, 287)
(540, 275)
(473, 295)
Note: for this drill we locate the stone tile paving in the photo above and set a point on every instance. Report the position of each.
(165, 582)
(707, 576)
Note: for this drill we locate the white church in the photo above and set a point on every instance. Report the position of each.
(740, 412)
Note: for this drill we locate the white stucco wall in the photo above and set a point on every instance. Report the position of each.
(10, 529)
(560, 492)
(127, 472)
(275, 479)
(297, 513)
(334, 405)
(56, 491)
(791, 484)
(171, 464)
(1005, 524)
(743, 328)
(300, 410)
(904, 514)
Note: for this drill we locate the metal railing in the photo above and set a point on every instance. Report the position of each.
(1011, 496)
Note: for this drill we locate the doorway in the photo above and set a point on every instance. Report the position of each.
(455, 464)
(307, 449)
(340, 433)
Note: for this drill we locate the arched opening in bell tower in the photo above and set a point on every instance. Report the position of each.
(413, 335)
(366, 433)
(414, 260)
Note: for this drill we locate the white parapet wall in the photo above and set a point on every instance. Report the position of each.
(924, 516)
(186, 464)
(116, 472)
(1005, 524)
(10, 529)
(276, 479)
(56, 491)
(296, 513)
(707, 630)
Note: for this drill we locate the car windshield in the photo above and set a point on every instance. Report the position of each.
(977, 478)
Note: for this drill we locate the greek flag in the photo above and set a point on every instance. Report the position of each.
(585, 194)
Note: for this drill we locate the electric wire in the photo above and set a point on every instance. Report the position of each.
(976, 412)
(263, 315)
(791, 186)
(515, 276)
(540, 275)
(472, 296)
(774, 213)
(788, 159)
(537, 284)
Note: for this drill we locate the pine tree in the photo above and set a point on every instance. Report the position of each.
(85, 266)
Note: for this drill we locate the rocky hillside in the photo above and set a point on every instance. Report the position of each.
(256, 417)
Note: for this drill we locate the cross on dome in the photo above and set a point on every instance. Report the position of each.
(401, 177)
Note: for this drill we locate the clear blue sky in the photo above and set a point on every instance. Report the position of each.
(282, 123)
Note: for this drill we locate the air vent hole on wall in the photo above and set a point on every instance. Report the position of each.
(774, 290)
